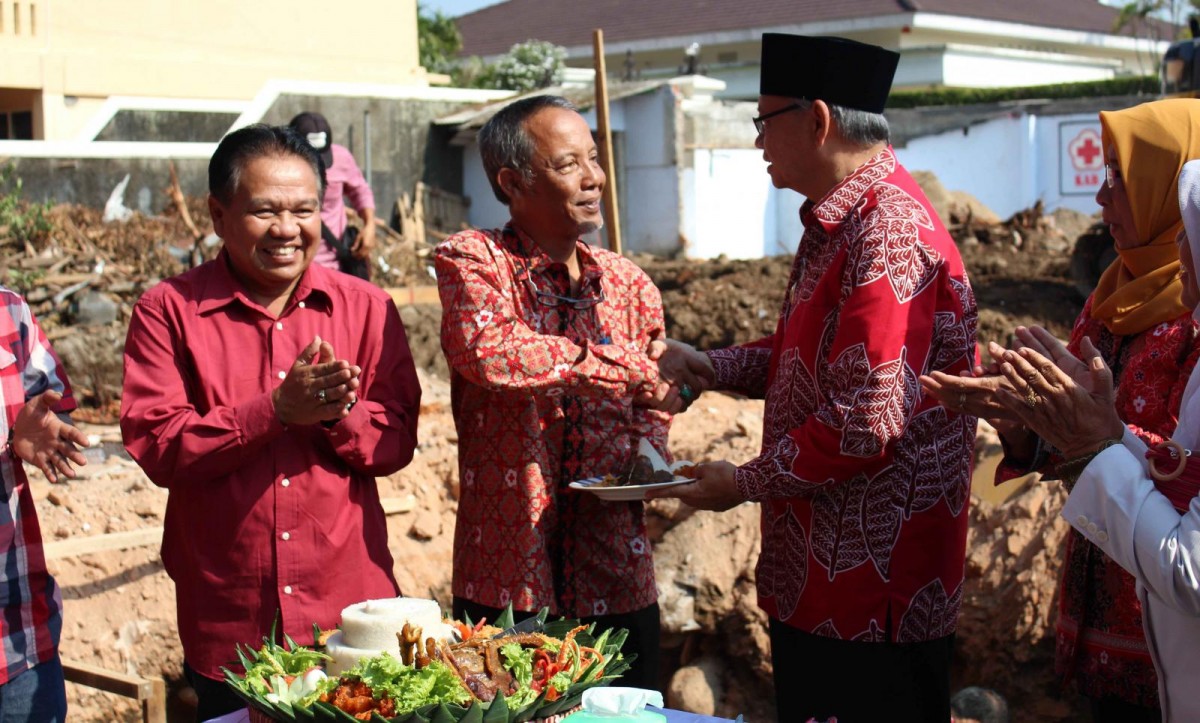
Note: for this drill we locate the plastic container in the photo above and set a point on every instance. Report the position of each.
(643, 716)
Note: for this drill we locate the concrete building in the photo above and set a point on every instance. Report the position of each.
(691, 182)
(68, 68)
(960, 43)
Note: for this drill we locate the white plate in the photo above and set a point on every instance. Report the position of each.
(624, 493)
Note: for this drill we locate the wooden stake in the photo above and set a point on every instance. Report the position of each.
(612, 216)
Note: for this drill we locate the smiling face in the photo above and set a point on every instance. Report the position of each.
(271, 225)
(1115, 208)
(562, 202)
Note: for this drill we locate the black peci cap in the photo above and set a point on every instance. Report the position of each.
(836, 70)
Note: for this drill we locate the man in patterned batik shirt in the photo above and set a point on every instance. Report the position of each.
(547, 340)
(863, 482)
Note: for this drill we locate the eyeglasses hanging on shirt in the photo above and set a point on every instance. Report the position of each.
(545, 298)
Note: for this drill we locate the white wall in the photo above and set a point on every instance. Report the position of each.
(731, 208)
(650, 199)
(989, 161)
(980, 69)
(1008, 163)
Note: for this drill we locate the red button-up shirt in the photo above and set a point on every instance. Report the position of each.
(518, 365)
(32, 618)
(863, 480)
(264, 518)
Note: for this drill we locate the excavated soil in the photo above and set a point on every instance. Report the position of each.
(119, 606)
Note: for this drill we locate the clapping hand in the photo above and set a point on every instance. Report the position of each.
(42, 439)
(1068, 401)
(318, 387)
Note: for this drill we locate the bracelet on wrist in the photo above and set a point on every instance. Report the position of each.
(1070, 470)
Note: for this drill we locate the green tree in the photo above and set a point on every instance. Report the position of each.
(530, 65)
(438, 40)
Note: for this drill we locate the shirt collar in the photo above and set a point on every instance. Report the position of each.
(223, 288)
(519, 243)
(837, 203)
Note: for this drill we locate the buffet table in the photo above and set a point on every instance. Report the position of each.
(673, 716)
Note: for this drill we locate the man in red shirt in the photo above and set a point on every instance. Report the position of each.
(267, 393)
(862, 480)
(551, 382)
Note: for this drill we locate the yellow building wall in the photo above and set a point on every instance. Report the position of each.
(212, 49)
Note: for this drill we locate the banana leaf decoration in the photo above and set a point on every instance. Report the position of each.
(497, 711)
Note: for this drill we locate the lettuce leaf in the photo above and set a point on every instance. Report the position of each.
(519, 662)
(562, 680)
(408, 687)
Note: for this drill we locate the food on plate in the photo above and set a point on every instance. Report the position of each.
(369, 628)
(647, 467)
(685, 470)
(639, 471)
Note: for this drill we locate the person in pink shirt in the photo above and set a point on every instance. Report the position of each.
(343, 180)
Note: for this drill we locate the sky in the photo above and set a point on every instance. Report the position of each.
(454, 8)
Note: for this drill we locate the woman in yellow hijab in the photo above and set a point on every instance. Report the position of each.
(1136, 319)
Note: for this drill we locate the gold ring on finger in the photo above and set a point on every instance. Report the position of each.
(321, 396)
(1031, 398)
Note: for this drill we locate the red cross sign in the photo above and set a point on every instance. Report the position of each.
(1087, 153)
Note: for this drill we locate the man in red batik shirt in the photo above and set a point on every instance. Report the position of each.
(863, 481)
(547, 341)
(267, 393)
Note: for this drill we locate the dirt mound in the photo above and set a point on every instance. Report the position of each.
(712, 304)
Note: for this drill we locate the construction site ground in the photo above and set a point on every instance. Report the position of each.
(119, 603)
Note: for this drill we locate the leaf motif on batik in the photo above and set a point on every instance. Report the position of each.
(957, 477)
(838, 540)
(842, 381)
(873, 634)
(892, 246)
(966, 301)
(827, 630)
(882, 517)
(792, 397)
(792, 563)
(835, 208)
(881, 409)
(930, 461)
(932, 614)
(817, 251)
(949, 344)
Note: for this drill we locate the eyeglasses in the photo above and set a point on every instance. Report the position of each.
(1112, 174)
(758, 121)
(545, 298)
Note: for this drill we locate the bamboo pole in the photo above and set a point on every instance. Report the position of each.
(612, 216)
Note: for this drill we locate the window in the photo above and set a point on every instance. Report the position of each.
(16, 125)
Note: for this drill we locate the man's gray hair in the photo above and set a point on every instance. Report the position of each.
(504, 142)
(859, 127)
